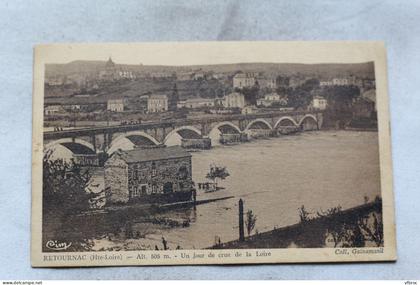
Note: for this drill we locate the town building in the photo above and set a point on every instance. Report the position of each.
(319, 103)
(241, 80)
(72, 107)
(363, 107)
(199, 76)
(267, 82)
(340, 81)
(126, 74)
(184, 76)
(162, 75)
(296, 80)
(248, 110)
(233, 100)
(194, 103)
(115, 105)
(56, 80)
(157, 103)
(371, 95)
(53, 110)
(369, 83)
(162, 174)
(272, 99)
(218, 76)
(325, 83)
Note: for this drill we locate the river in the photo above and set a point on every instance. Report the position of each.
(274, 177)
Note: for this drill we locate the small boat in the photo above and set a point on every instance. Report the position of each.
(209, 187)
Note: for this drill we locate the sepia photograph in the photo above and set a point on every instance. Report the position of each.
(183, 153)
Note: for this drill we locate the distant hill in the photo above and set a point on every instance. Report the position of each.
(80, 69)
(322, 70)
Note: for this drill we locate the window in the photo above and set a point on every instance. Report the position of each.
(135, 192)
(143, 188)
(135, 172)
(153, 169)
(154, 188)
(183, 172)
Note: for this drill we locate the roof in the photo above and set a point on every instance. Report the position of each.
(116, 101)
(199, 100)
(150, 154)
(158, 96)
(245, 75)
(234, 94)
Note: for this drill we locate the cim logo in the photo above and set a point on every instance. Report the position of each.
(56, 245)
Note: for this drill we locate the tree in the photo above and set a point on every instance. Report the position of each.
(250, 221)
(64, 186)
(299, 98)
(217, 172)
(250, 94)
(310, 84)
(303, 214)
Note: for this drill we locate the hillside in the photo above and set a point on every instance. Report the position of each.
(322, 70)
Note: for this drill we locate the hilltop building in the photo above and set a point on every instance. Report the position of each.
(241, 80)
(111, 72)
(266, 82)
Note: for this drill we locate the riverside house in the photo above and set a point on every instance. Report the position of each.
(154, 175)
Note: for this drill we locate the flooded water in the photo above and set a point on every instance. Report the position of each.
(274, 177)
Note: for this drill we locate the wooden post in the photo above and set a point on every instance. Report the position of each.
(241, 220)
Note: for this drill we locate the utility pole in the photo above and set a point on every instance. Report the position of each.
(241, 220)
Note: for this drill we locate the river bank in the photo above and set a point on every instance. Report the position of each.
(322, 231)
(273, 176)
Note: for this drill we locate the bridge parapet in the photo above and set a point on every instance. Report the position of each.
(101, 138)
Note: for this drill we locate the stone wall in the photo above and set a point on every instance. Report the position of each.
(160, 177)
(116, 182)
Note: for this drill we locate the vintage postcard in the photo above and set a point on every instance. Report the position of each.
(211, 153)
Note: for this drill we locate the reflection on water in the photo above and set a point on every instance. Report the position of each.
(274, 177)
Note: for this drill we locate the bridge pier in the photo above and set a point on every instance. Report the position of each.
(93, 141)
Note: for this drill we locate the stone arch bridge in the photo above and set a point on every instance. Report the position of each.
(170, 132)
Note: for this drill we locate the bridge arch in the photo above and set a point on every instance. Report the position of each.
(216, 131)
(306, 117)
(124, 141)
(309, 123)
(258, 121)
(174, 137)
(67, 141)
(285, 118)
(67, 148)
